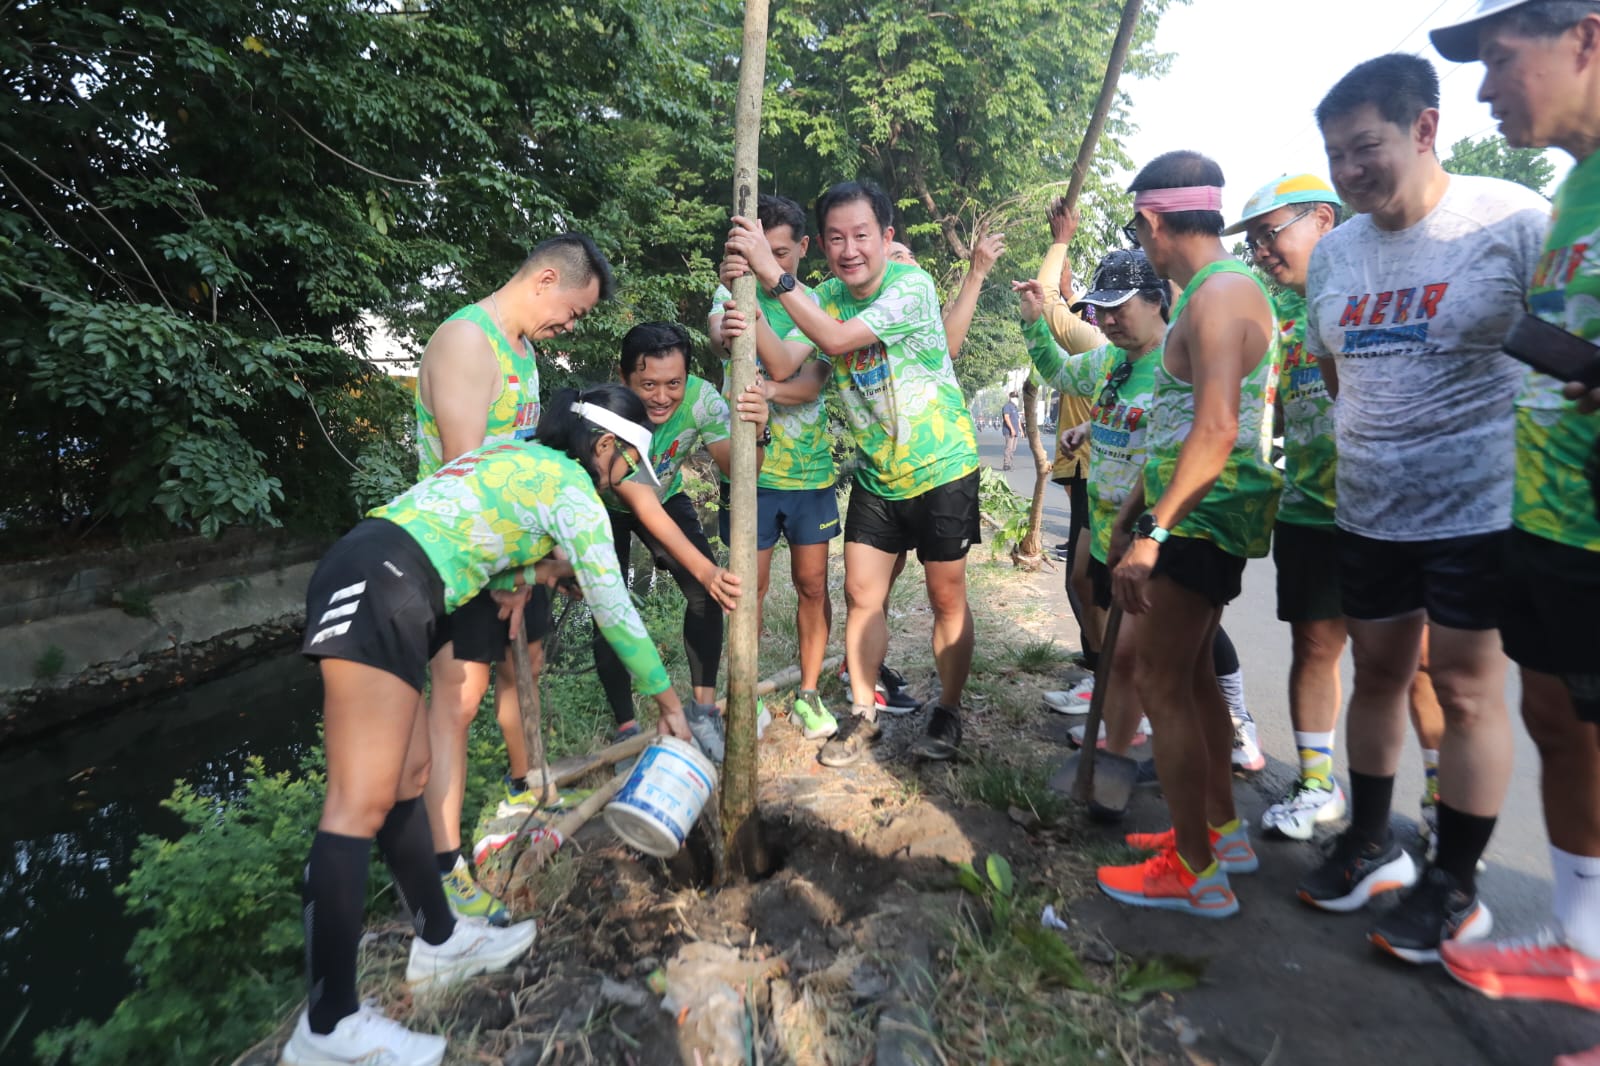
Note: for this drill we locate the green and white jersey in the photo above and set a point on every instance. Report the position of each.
(1552, 496)
(506, 506)
(1310, 454)
(801, 453)
(899, 394)
(514, 415)
(701, 419)
(1118, 423)
(1237, 514)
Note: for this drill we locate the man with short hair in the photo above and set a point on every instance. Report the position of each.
(917, 482)
(1407, 303)
(478, 383)
(1283, 222)
(1010, 428)
(1212, 493)
(795, 496)
(1542, 80)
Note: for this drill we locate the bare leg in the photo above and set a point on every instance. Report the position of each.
(458, 688)
(1569, 756)
(1314, 690)
(1469, 674)
(952, 627)
(1427, 717)
(868, 575)
(808, 566)
(1386, 660)
(1122, 708)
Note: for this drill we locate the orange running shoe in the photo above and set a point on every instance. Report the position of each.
(1232, 850)
(1537, 967)
(1579, 1058)
(1164, 881)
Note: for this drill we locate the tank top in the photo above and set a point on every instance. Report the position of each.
(514, 415)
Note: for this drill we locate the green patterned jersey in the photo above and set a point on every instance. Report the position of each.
(1237, 514)
(1553, 498)
(801, 453)
(900, 397)
(508, 505)
(1117, 424)
(514, 415)
(1310, 456)
(701, 419)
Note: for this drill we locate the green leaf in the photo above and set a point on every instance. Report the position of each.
(1000, 877)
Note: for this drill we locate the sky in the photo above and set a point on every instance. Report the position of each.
(1247, 75)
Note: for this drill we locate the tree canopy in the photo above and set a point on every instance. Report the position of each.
(204, 205)
(1492, 157)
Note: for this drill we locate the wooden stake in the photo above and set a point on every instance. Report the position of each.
(739, 766)
(532, 734)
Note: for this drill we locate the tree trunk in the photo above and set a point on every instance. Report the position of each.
(1028, 551)
(743, 846)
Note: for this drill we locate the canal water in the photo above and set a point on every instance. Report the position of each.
(72, 808)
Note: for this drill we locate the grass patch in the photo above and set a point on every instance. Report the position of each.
(1040, 656)
(135, 602)
(49, 664)
(989, 783)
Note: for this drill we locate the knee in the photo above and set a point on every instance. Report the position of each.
(455, 707)
(1383, 671)
(812, 588)
(1315, 648)
(1467, 703)
(357, 815)
(414, 780)
(1553, 725)
(865, 598)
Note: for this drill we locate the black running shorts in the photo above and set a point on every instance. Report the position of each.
(376, 599)
(1307, 558)
(1456, 580)
(1202, 568)
(478, 634)
(1550, 614)
(942, 524)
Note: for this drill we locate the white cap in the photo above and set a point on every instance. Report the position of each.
(626, 428)
(1459, 43)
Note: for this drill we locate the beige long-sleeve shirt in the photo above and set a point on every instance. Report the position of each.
(1077, 337)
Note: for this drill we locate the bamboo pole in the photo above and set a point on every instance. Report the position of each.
(742, 833)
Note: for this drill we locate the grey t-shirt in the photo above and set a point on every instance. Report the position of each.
(1415, 319)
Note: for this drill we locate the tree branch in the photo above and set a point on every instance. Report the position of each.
(338, 155)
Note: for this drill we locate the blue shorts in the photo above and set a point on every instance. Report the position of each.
(800, 516)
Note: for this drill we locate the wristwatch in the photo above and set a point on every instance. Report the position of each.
(765, 439)
(786, 283)
(1146, 527)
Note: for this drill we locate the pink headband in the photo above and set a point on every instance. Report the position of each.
(1188, 198)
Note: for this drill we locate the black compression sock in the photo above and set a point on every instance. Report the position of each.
(407, 847)
(1463, 839)
(446, 861)
(334, 895)
(1370, 800)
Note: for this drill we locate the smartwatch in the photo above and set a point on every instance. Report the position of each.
(765, 440)
(786, 283)
(1146, 527)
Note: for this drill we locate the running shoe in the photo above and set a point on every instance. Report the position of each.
(471, 949)
(1542, 966)
(1307, 806)
(942, 741)
(1074, 700)
(815, 720)
(1075, 734)
(1163, 881)
(1246, 752)
(363, 1037)
(467, 900)
(855, 734)
(1590, 1057)
(897, 694)
(706, 727)
(1437, 909)
(1354, 872)
(1232, 850)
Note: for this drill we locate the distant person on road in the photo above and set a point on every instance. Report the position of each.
(1542, 78)
(477, 384)
(917, 485)
(1283, 221)
(1010, 428)
(375, 614)
(1407, 304)
(1212, 493)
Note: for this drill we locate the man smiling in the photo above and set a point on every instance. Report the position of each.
(917, 482)
(1407, 305)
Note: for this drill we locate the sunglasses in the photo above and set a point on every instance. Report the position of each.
(1130, 230)
(1114, 382)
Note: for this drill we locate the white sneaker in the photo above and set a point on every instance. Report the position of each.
(472, 949)
(1246, 752)
(1074, 700)
(1301, 811)
(365, 1037)
(1139, 735)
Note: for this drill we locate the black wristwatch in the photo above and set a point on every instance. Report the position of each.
(765, 440)
(786, 283)
(1146, 527)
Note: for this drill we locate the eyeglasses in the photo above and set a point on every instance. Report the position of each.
(1270, 238)
(1130, 230)
(1118, 378)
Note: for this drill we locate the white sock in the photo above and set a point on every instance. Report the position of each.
(1576, 882)
(1232, 686)
(1430, 758)
(1316, 741)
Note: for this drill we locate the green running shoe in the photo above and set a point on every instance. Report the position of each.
(816, 723)
(467, 900)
